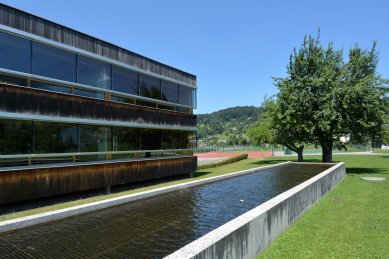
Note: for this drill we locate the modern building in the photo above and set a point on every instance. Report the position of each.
(79, 113)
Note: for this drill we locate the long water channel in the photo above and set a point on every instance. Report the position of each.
(156, 226)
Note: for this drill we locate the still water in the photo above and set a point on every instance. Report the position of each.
(156, 226)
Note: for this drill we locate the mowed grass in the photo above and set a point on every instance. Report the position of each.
(201, 174)
(351, 221)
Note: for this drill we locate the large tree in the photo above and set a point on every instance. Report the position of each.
(278, 127)
(324, 98)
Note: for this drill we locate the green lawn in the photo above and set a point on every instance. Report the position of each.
(352, 221)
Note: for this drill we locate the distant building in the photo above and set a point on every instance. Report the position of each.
(79, 113)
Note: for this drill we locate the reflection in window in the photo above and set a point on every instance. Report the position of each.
(149, 87)
(55, 137)
(188, 140)
(124, 81)
(169, 92)
(171, 140)
(125, 139)
(15, 53)
(53, 62)
(94, 138)
(186, 96)
(15, 137)
(91, 94)
(151, 139)
(13, 80)
(50, 87)
(92, 72)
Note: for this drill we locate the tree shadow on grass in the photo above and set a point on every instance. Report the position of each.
(360, 170)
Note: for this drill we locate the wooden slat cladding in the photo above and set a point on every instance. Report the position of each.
(38, 26)
(34, 101)
(28, 184)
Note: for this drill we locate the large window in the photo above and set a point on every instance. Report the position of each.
(125, 81)
(186, 95)
(15, 137)
(169, 92)
(126, 139)
(94, 138)
(15, 53)
(55, 137)
(188, 140)
(151, 139)
(171, 140)
(150, 87)
(92, 72)
(53, 62)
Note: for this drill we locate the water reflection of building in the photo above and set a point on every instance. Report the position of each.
(72, 105)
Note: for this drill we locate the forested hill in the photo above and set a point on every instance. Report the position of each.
(227, 124)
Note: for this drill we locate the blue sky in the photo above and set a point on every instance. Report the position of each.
(234, 47)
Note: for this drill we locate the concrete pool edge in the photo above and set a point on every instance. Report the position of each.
(250, 234)
(27, 221)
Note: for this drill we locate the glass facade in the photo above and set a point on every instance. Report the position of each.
(149, 87)
(16, 137)
(93, 72)
(53, 62)
(22, 55)
(55, 138)
(125, 139)
(125, 81)
(15, 53)
(169, 92)
(94, 138)
(19, 137)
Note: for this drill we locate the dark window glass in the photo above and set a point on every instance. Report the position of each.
(166, 107)
(15, 137)
(87, 93)
(169, 92)
(13, 80)
(149, 87)
(171, 140)
(92, 72)
(15, 53)
(188, 139)
(186, 96)
(124, 81)
(151, 139)
(125, 139)
(52, 62)
(182, 109)
(50, 87)
(94, 138)
(122, 99)
(55, 137)
(145, 103)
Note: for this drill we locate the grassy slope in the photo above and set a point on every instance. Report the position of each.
(352, 221)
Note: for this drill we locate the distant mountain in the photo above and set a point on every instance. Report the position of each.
(227, 125)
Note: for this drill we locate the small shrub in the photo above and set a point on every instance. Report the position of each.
(224, 162)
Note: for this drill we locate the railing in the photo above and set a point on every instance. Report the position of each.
(105, 155)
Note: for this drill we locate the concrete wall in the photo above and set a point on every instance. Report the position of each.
(250, 234)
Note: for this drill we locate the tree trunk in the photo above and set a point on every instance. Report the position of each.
(327, 152)
(300, 155)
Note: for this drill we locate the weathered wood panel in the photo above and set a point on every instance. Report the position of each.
(38, 102)
(33, 24)
(18, 185)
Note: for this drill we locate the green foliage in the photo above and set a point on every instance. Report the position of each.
(224, 162)
(324, 98)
